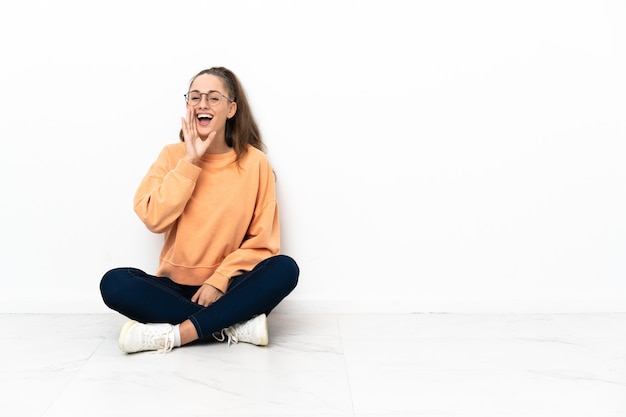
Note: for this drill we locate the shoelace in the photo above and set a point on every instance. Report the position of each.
(229, 332)
(156, 337)
(236, 333)
(168, 345)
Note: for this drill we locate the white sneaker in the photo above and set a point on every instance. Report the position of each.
(137, 337)
(253, 331)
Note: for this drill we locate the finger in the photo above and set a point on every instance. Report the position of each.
(193, 126)
(184, 126)
(191, 117)
(188, 115)
(188, 119)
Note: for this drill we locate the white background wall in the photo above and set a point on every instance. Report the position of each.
(431, 155)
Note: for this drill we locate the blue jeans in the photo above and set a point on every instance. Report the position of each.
(150, 299)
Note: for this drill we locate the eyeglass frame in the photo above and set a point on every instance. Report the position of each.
(207, 97)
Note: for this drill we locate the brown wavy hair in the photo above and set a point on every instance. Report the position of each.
(241, 129)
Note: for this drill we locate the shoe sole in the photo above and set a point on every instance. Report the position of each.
(122, 338)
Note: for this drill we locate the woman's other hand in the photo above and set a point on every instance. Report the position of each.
(206, 295)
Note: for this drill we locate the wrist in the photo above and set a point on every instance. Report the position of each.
(214, 287)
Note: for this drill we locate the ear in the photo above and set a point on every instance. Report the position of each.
(232, 110)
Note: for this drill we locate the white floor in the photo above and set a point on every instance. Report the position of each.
(324, 365)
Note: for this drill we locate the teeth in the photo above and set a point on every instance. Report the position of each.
(205, 116)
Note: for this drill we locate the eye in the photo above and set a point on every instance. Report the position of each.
(194, 98)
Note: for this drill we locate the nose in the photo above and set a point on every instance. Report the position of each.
(204, 101)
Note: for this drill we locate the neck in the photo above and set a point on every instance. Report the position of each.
(218, 146)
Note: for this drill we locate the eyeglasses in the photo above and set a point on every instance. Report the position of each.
(213, 98)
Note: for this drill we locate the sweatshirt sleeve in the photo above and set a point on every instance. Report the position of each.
(165, 190)
(262, 238)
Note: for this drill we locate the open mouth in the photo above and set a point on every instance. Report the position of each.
(204, 119)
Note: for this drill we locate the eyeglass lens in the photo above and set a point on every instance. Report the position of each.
(213, 98)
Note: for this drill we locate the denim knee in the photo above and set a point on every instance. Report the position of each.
(290, 270)
(111, 286)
